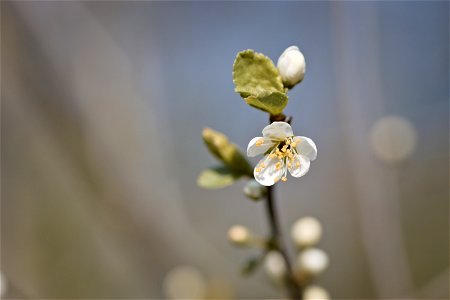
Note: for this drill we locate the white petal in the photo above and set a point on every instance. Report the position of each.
(269, 173)
(305, 146)
(298, 170)
(253, 150)
(278, 131)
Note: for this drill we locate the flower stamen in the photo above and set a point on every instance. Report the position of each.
(259, 142)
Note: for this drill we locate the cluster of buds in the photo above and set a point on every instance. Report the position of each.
(311, 261)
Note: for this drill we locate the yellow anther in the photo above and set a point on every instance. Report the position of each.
(259, 142)
(294, 144)
(291, 155)
(278, 165)
(283, 178)
(262, 165)
(297, 164)
(272, 155)
(289, 164)
(288, 142)
(276, 179)
(257, 170)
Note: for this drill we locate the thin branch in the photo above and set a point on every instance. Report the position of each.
(295, 290)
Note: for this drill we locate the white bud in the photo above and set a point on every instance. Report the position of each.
(239, 235)
(313, 261)
(306, 232)
(275, 266)
(291, 66)
(315, 292)
(254, 190)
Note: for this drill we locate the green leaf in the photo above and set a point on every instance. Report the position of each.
(254, 73)
(257, 80)
(226, 152)
(251, 265)
(273, 103)
(217, 177)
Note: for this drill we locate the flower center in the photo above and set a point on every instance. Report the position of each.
(285, 152)
(285, 149)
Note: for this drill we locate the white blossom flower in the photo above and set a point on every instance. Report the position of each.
(291, 66)
(282, 152)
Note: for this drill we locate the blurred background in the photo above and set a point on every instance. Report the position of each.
(103, 104)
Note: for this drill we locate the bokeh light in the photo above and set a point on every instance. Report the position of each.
(393, 139)
(185, 282)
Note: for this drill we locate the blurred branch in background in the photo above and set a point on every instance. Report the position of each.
(73, 176)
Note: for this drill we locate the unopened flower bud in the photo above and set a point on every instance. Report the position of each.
(254, 190)
(306, 232)
(291, 66)
(312, 261)
(239, 235)
(275, 266)
(315, 292)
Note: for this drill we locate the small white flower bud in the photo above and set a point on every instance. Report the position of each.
(315, 292)
(254, 190)
(239, 235)
(291, 66)
(275, 266)
(313, 261)
(306, 232)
